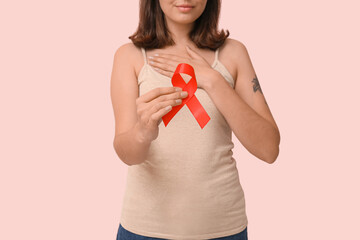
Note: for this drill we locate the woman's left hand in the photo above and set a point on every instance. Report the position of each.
(166, 64)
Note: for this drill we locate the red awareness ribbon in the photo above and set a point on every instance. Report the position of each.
(191, 100)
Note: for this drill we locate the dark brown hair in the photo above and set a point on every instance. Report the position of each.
(153, 33)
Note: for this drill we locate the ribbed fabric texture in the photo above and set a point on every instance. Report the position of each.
(188, 187)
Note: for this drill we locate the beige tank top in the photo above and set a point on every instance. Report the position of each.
(188, 188)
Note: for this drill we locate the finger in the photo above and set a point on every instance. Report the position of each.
(154, 93)
(164, 67)
(156, 118)
(160, 109)
(166, 73)
(169, 56)
(164, 100)
(163, 60)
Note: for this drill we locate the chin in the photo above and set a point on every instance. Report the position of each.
(184, 18)
(183, 12)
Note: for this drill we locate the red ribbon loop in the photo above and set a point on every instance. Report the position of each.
(191, 100)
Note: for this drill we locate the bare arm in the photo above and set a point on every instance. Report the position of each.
(245, 108)
(127, 143)
(137, 118)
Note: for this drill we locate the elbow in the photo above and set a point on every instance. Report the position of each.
(273, 153)
(124, 155)
(120, 153)
(271, 158)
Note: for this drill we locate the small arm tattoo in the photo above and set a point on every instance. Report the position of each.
(256, 85)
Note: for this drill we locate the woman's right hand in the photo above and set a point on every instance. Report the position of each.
(152, 106)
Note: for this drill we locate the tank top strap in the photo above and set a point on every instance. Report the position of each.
(217, 54)
(144, 55)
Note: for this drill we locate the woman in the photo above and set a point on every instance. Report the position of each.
(182, 180)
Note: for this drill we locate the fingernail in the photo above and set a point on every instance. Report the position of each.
(178, 89)
(183, 94)
(156, 54)
(151, 57)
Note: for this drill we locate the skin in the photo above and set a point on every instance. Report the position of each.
(244, 107)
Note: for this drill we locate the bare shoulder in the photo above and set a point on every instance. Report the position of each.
(233, 45)
(126, 50)
(129, 55)
(235, 49)
(232, 52)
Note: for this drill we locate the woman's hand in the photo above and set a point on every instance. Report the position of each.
(166, 64)
(152, 106)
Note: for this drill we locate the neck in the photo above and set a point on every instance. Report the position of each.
(180, 33)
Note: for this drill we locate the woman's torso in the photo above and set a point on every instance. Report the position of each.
(188, 187)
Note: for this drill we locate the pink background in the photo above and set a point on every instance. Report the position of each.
(60, 177)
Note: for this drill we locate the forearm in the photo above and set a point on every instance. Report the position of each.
(256, 134)
(130, 147)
